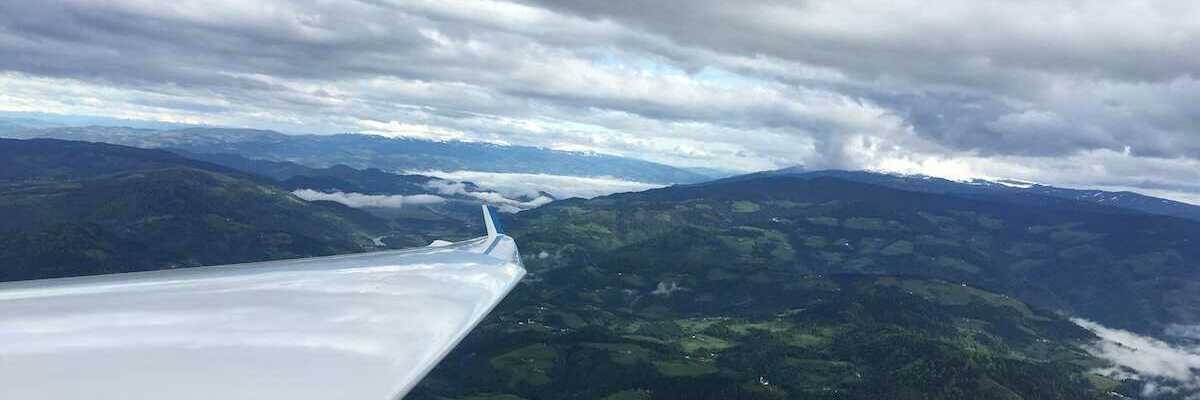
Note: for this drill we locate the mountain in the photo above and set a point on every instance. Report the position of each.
(74, 208)
(783, 287)
(450, 209)
(1125, 269)
(58, 160)
(336, 178)
(1125, 199)
(714, 173)
(370, 151)
(7, 126)
(1004, 190)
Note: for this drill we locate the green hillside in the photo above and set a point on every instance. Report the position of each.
(75, 208)
(1128, 270)
(788, 288)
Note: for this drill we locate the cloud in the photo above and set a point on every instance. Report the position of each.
(359, 200)
(504, 204)
(1184, 331)
(665, 289)
(1170, 368)
(957, 88)
(532, 185)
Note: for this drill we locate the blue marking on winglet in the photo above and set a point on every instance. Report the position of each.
(495, 220)
(492, 223)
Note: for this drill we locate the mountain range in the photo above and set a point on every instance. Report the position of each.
(370, 151)
(391, 155)
(1017, 192)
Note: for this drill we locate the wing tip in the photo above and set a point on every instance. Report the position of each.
(491, 221)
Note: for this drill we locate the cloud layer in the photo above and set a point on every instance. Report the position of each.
(1063, 92)
(359, 200)
(532, 186)
(495, 199)
(1172, 369)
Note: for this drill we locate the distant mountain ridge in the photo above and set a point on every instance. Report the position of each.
(1002, 190)
(371, 151)
(53, 159)
(339, 177)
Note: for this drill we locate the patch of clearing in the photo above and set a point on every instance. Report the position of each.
(646, 339)
(898, 248)
(530, 364)
(745, 207)
(863, 223)
(623, 353)
(629, 395)
(683, 368)
(825, 221)
(697, 325)
(493, 397)
(703, 343)
(956, 295)
(769, 326)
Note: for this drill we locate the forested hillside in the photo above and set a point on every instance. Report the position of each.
(782, 287)
(74, 208)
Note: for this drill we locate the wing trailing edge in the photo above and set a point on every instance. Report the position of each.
(359, 326)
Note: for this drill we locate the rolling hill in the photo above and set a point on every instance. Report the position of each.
(1125, 269)
(74, 208)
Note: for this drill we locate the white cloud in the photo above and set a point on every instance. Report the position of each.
(665, 289)
(359, 200)
(1146, 357)
(529, 185)
(504, 204)
(396, 129)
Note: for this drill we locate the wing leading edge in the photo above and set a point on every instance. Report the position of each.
(360, 326)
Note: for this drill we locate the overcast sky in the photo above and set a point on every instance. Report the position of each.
(1076, 93)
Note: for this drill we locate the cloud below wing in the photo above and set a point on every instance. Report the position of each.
(534, 185)
(1137, 356)
(359, 200)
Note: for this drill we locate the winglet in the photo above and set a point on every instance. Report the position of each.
(491, 221)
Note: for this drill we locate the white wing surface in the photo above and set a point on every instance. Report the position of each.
(362, 326)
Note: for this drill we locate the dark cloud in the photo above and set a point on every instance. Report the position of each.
(1000, 57)
(945, 42)
(953, 87)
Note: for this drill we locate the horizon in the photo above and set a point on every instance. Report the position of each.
(1187, 198)
(1170, 196)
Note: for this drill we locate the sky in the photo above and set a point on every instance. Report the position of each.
(1077, 93)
